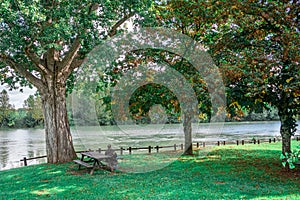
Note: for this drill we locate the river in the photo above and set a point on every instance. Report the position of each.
(18, 143)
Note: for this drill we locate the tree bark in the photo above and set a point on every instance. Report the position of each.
(59, 145)
(285, 129)
(187, 129)
(286, 142)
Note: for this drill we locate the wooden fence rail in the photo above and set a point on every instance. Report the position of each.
(177, 147)
(38, 157)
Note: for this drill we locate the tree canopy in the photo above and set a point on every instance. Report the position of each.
(44, 41)
(256, 46)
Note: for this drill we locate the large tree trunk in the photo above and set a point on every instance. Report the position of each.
(187, 129)
(285, 129)
(59, 145)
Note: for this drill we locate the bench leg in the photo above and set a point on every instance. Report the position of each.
(92, 171)
(94, 166)
(82, 157)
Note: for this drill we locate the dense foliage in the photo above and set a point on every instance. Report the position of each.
(255, 44)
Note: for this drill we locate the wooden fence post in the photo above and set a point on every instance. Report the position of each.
(218, 143)
(149, 149)
(224, 142)
(237, 143)
(274, 140)
(203, 144)
(121, 151)
(254, 141)
(181, 146)
(243, 142)
(197, 144)
(25, 161)
(157, 147)
(258, 142)
(270, 140)
(99, 150)
(129, 150)
(174, 147)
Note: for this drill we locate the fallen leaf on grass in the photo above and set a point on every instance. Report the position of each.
(220, 183)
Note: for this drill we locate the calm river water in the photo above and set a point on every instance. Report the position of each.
(18, 143)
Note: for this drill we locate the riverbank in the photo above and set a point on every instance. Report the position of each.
(225, 172)
(19, 143)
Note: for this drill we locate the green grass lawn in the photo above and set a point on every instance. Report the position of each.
(226, 172)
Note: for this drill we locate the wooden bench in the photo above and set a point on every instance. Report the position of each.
(82, 163)
(95, 161)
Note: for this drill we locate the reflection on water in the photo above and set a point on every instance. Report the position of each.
(16, 144)
(19, 143)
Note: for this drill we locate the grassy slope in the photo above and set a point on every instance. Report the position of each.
(230, 172)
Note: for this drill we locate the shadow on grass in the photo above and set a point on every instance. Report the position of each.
(225, 173)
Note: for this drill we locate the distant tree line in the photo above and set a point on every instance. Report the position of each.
(30, 116)
(142, 112)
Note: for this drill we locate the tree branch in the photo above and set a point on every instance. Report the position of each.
(22, 71)
(35, 59)
(113, 30)
(77, 63)
(52, 56)
(69, 62)
(64, 74)
(258, 11)
(72, 53)
(65, 64)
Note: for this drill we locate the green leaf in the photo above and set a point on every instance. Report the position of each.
(284, 164)
(292, 166)
(282, 157)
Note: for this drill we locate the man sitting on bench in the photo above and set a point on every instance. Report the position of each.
(112, 162)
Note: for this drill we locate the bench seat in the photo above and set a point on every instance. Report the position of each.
(80, 162)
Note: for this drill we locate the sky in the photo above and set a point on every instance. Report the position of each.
(16, 97)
